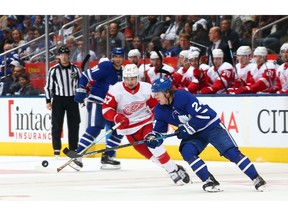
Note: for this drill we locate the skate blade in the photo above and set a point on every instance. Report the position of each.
(110, 167)
(75, 167)
(213, 189)
(261, 188)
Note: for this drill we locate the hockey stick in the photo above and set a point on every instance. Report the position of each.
(212, 59)
(73, 154)
(84, 62)
(84, 150)
(234, 64)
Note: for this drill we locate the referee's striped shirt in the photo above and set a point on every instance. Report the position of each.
(62, 81)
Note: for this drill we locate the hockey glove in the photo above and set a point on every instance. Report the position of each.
(121, 118)
(185, 131)
(151, 141)
(80, 95)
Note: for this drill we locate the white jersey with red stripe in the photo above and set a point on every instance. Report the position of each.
(282, 78)
(189, 73)
(143, 68)
(136, 105)
(266, 73)
(245, 72)
(152, 74)
(226, 71)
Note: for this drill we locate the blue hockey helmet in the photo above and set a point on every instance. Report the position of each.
(118, 51)
(161, 85)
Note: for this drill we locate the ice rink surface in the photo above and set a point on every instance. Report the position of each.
(140, 187)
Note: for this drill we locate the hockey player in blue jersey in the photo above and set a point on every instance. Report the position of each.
(100, 77)
(198, 125)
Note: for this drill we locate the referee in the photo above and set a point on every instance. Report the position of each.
(60, 87)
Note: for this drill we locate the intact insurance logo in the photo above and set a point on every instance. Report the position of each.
(28, 122)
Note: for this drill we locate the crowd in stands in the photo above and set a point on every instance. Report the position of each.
(214, 52)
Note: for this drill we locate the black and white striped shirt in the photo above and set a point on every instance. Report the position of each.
(62, 81)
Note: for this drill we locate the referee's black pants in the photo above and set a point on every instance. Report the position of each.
(60, 105)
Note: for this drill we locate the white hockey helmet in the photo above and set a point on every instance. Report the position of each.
(260, 51)
(217, 53)
(244, 51)
(184, 53)
(154, 55)
(134, 52)
(284, 47)
(193, 55)
(130, 70)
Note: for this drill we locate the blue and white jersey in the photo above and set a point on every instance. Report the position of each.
(184, 108)
(104, 75)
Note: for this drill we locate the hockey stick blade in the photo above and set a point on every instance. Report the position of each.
(73, 154)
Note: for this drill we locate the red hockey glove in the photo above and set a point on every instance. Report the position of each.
(121, 118)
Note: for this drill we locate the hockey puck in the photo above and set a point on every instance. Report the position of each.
(45, 163)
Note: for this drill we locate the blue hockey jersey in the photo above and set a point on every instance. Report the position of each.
(104, 75)
(184, 108)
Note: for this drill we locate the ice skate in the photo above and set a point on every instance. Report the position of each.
(259, 183)
(76, 164)
(56, 154)
(211, 185)
(108, 163)
(180, 176)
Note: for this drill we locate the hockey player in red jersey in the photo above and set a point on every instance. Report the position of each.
(219, 76)
(264, 74)
(282, 71)
(243, 68)
(131, 103)
(158, 68)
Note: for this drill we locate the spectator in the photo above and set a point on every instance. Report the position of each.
(201, 39)
(184, 41)
(271, 39)
(27, 24)
(7, 38)
(80, 56)
(177, 25)
(153, 28)
(228, 34)
(25, 87)
(134, 25)
(55, 27)
(67, 31)
(18, 39)
(168, 47)
(12, 57)
(39, 23)
(77, 27)
(71, 43)
(136, 44)
(218, 43)
(116, 37)
(100, 43)
(13, 23)
(9, 84)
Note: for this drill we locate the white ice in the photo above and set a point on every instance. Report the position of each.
(140, 184)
